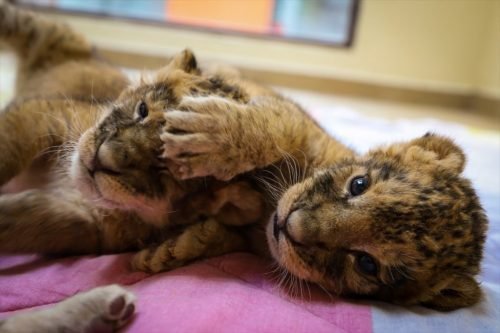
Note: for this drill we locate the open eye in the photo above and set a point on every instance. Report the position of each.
(142, 110)
(359, 185)
(366, 264)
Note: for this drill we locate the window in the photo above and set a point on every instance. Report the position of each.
(321, 21)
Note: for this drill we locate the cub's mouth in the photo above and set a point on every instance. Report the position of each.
(283, 247)
(96, 176)
(100, 173)
(92, 183)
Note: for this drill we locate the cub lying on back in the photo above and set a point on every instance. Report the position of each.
(108, 189)
(91, 141)
(399, 223)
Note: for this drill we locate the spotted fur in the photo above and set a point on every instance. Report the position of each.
(419, 219)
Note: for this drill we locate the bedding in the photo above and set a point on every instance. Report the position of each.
(237, 293)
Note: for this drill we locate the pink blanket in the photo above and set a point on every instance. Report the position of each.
(232, 293)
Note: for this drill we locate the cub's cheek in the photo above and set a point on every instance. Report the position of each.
(85, 148)
(81, 178)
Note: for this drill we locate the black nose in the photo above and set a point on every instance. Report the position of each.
(276, 227)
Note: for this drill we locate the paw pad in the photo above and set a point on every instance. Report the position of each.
(116, 307)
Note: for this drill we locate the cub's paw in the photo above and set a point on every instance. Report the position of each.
(156, 260)
(103, 309)
(118, 309)
(204, 137)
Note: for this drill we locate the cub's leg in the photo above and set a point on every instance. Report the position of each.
(235, 204)
(103, 309)
(214, 136)
(39, 43)
(202, 240)
(231, 207)
(37, 221)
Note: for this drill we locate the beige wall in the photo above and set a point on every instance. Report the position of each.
(449, 45)
(448, 42)
(488, 79)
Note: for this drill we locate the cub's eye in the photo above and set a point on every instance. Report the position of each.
(143, 110)
(366, 264)
(359, 185)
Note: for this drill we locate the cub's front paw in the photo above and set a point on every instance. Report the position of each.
(204, 137)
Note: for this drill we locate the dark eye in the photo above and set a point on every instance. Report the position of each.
(359, 185)
(366, 264)
(142, 110)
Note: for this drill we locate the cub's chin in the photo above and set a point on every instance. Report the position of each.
(108, 191)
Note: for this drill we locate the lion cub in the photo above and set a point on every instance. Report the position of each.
(108, 189)
(91, 140)
(399, 223)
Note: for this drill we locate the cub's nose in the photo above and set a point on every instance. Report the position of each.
(293, 227)
(104, 160)
(290, 226)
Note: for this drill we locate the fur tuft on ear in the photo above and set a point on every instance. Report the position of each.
(459, 292)
(444, 151)
(185, 61)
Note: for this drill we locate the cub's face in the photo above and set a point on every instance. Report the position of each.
(116, 162)
(399, 224)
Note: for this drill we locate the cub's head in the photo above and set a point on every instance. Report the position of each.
(399, 224)
(116, 161)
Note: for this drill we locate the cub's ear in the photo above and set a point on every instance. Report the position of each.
(459, 292)
(185, 61)
(443, 151)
